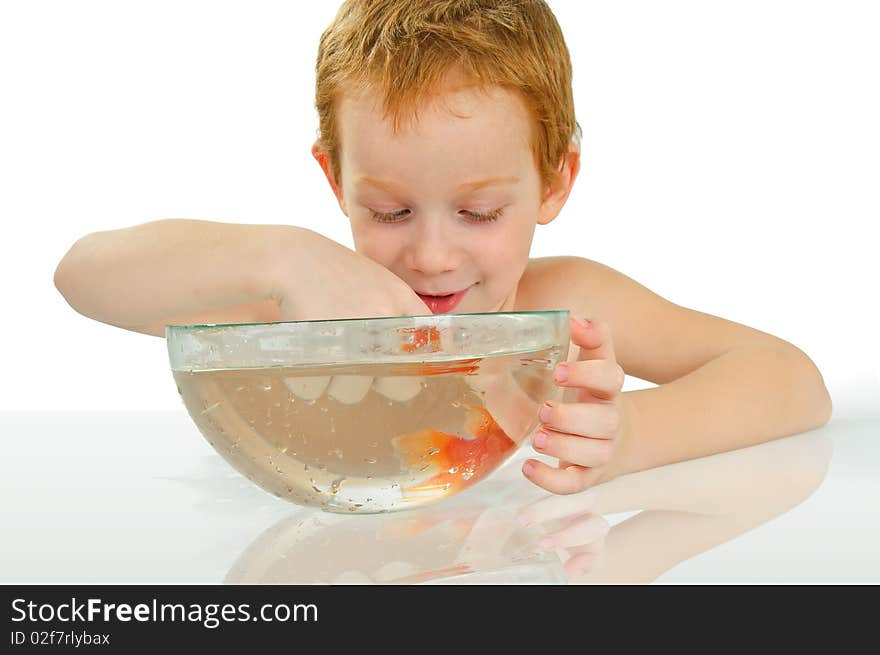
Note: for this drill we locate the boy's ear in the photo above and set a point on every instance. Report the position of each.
(556, 194)
(323, 160)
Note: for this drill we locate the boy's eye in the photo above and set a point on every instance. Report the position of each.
(488, 217)
(473, 216)
(389, 217)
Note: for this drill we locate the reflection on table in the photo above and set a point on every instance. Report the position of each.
(498, 531)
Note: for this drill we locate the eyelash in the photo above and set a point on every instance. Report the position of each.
(476, 217)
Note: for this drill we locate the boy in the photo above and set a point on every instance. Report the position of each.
(447, 133)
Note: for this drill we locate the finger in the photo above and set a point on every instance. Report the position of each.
(569, 480)
(553, 508)
(503, 397)
(603, 378)
(593, 338)
(577, 567)
(582, 532)
(582, 451)
(596, 420)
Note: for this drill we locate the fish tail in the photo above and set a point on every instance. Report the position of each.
(415, 449)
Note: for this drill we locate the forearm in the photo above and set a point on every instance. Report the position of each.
(745, 397)
(150, 272)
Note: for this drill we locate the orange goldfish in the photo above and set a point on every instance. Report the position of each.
(420, 338)
(456, 462)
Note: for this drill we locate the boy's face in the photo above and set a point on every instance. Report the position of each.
(450, 203)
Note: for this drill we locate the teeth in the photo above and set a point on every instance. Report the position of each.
(399, 388)
(307, 388)
(350, 389)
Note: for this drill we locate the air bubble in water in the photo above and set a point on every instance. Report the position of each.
(210, 408)
(334, 486)
(453, 470)
(371, 460)
(266, 386)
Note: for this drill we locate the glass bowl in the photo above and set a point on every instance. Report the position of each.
(374, 414)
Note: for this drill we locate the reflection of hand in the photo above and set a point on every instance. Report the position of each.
(486, 538)
(584, 435)
(574, 530)
(682, 509)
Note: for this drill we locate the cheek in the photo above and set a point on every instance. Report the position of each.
(375, 244)
(501, 262)
(504, 247)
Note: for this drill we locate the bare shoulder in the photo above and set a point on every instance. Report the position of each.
(654, 338)
(547, 284)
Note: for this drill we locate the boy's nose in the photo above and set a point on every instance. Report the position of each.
(432, 250)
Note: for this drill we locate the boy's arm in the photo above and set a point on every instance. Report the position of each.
(175, 270)
(722, 385)
(744, 397)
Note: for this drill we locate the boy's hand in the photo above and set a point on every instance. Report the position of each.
(317, 278)
(584, 435)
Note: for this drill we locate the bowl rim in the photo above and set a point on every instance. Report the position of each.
(185, 326)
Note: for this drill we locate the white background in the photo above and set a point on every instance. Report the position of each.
(731, 163)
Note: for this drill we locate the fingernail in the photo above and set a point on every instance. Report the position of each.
(561, 373)
(544, 414)
(529, 467)
(540, 439)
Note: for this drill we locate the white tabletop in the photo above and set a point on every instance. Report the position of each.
(140, 497)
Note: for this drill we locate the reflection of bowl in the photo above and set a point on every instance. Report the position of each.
(470, 539)
(369, 415)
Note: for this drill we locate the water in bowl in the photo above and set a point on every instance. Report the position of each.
(370, 438)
